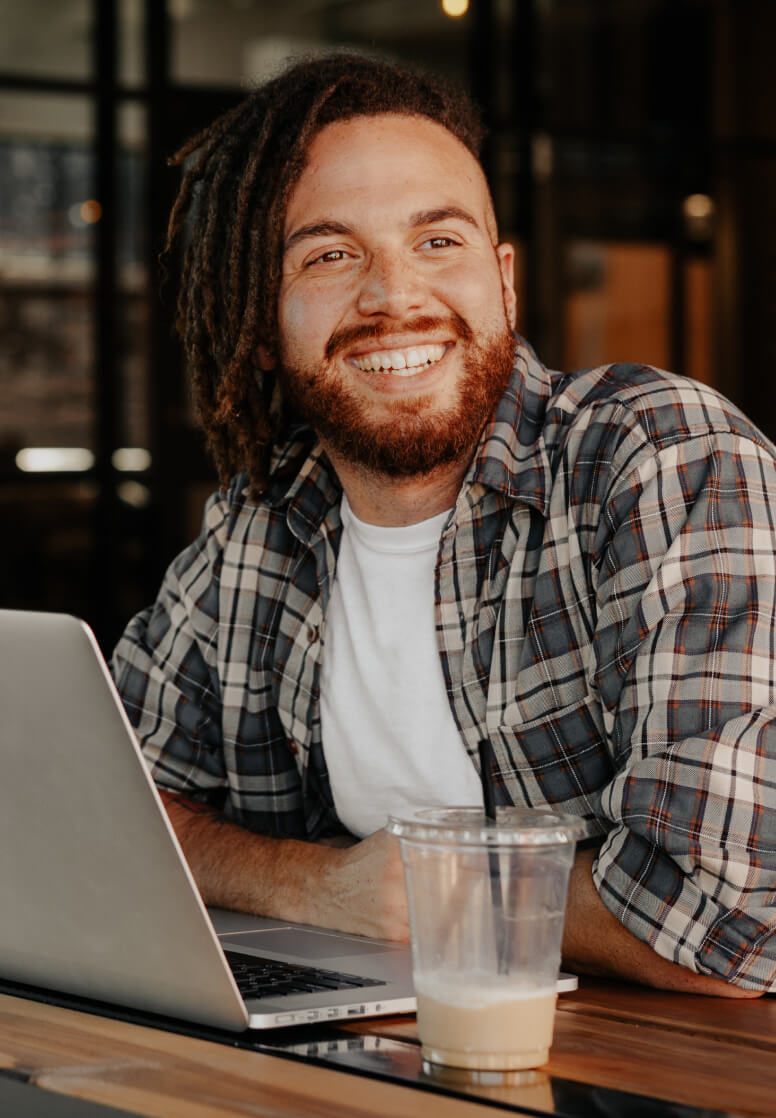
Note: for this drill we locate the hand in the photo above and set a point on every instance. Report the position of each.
(359, 889)
(366, 892)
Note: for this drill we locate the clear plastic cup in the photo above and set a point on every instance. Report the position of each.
(487, 901)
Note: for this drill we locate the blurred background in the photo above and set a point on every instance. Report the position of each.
(632, 153)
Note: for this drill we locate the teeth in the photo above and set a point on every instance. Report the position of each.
(404, 362)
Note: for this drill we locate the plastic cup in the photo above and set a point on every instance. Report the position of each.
(487, 901)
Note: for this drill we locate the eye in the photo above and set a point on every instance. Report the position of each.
(441, 240)
(330, 256)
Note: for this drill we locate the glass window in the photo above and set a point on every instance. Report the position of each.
(47, 214)
(47, 219)
(47, 39)
(245, 41)
(131, 55)
(132, 306)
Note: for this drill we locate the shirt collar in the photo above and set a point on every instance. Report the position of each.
(511, 456)
(302, 478)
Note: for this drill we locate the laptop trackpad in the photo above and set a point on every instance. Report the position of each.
(304, 943)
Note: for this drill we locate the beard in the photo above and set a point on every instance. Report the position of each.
(414, 438)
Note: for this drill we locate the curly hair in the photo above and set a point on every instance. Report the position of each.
(229, 216)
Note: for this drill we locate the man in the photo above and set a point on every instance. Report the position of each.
(425, 539)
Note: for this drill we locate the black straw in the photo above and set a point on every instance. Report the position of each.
(486, 777)
(489, 799)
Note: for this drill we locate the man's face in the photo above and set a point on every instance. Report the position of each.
(395, 306)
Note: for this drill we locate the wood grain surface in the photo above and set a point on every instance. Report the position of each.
(164, 1075)
(708, 1053)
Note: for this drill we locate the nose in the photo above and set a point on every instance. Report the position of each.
(390, 287)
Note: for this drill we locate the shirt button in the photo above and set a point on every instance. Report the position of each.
(313, 633)
(292, 745)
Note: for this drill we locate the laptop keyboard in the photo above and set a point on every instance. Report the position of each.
(258, 977)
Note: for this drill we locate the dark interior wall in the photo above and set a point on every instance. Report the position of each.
(745, 170)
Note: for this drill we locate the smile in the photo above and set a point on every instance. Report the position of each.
(400, 362)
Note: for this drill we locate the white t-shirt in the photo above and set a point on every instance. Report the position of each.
(389, 738)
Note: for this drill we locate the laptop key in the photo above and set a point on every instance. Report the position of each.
(258, 977)
(325, 983)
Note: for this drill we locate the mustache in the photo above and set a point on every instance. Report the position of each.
(374, 332)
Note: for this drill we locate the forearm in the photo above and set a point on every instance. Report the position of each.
(357, 889)
(236, 869)
(595, 942)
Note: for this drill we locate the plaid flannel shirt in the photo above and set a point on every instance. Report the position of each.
(605, 615)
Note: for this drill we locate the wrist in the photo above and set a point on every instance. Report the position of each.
(308, 881)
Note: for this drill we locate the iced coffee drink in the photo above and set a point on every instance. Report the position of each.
(484, 1026)
(487, 901)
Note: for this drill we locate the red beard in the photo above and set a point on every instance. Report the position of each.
(415, 439)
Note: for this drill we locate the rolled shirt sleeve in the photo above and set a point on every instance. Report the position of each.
(684, 653)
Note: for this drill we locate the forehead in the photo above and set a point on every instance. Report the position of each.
(387, 163)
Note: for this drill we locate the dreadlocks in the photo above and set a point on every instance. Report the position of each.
(230, 212)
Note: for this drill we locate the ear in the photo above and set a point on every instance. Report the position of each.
(266, 358)
(506, 262)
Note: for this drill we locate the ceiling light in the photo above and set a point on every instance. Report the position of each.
(54, 459)
(130, 458)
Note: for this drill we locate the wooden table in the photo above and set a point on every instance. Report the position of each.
(612, 1042)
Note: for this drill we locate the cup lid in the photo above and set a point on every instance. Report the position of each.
(513, 826)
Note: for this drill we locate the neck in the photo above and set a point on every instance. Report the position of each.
(395, 502)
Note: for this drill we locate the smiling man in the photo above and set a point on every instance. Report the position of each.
(396, 309)
(425, 538)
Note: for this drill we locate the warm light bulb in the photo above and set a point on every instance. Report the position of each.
(698, 207)
(698, 212)
(90, 211)
(455, 8)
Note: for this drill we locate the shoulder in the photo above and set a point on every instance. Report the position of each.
(227, 520)
(661, 408)
(612, 433)
(579, 436)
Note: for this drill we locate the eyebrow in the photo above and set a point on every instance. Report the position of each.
(337, 229)
(317, 229)
(431, 217)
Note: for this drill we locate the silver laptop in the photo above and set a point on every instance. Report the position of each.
(98, 899)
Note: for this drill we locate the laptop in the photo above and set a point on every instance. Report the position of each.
(98, 900)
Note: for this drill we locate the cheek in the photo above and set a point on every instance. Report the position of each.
(476, 295)
(291, 317)
(308, 318)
